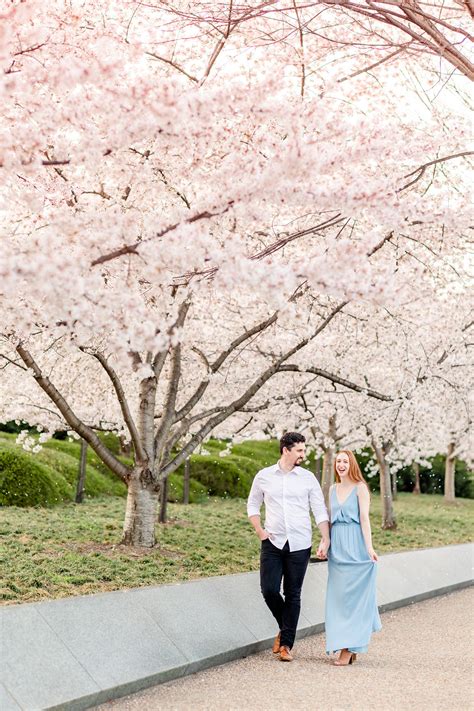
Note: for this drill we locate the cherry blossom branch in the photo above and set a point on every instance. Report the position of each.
(402, 15)
(132, 248)
(335, 379)
(173, 64)
(13, 362)
(71, 418)
(185, 279)
(146, 410)
(169, 411)
(257, 329)
(241, 401)
(186, 423)
(301, 39)
(422, 168)
(220, 360)
(375, 64)
(127, 415)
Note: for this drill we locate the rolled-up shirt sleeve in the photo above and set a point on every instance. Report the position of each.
(316, 500)
(255, 500)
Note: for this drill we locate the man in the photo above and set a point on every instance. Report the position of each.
(289, 492)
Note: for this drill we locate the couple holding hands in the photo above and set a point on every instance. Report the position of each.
(289, 492)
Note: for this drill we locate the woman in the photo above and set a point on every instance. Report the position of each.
(351, 606)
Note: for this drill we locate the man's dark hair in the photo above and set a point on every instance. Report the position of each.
(290, 439)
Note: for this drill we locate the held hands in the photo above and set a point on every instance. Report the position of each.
(373, 555)
(322, 552)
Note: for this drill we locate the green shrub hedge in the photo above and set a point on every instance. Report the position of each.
(228, 476)
(96, 483)
(197, 492)
(24, 481)
(50, 476)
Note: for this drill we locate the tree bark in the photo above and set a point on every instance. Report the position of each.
(449, 472)
(388, 514)
(186, 482)
(81, 479)
(416, 470)
(140, 513)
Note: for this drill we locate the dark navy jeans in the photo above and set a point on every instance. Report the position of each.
(290, 566)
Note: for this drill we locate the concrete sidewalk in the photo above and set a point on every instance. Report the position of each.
(421, 660)
(81, 651)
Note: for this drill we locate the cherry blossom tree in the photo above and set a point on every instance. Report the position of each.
(181, 237)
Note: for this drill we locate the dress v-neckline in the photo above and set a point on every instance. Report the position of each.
(349, 494)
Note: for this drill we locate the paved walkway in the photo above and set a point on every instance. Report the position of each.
(420, 661)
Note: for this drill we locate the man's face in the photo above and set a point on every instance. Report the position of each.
(296, 454)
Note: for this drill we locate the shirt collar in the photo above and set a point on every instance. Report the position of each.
(276, 468)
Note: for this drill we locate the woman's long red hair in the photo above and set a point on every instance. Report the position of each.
(355, 473)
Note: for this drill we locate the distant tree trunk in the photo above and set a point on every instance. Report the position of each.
(449, 472)
(416, 470)
(318, 469)
(388, 515)
(393, 476)
(163, 501)
(125, 446)
(328, 461)
(187, 477)
(81, 479)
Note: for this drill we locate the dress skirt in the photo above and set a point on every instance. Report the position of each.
(351, 606)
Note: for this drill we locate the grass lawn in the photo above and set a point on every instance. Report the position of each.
(73, 550)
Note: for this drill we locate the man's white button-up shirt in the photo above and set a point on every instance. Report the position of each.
(288, 498)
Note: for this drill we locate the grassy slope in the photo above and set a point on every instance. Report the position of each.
(72, 550)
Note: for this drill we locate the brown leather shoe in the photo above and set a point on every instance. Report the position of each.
(276, 644)
(285, 654)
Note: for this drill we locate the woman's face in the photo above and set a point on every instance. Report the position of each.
(342, 465)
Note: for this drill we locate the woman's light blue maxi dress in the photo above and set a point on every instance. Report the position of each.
(351, 606)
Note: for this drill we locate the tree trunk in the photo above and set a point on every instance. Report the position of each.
(388, 515)
(393, 476)
(163, 500)
(328, 472)
(318, 469)
(449, 471)
(125, 446)
(81, 479)
(187, 477)
(416, 470)
(328, 462)
(140, 513)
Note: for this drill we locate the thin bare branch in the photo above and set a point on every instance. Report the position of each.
(71, 418)
(419, 172)
(173, 64)
(335, 379)
(127, 415)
